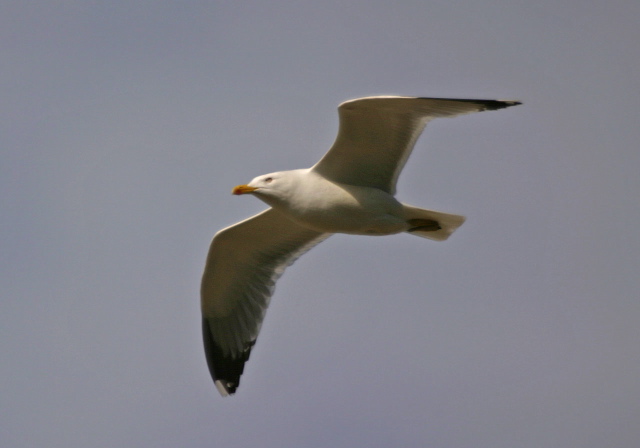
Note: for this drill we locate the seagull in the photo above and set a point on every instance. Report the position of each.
(350, 190)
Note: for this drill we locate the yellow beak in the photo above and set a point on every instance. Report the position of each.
(243, 189)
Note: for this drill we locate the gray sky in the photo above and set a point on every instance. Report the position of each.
(124, 125)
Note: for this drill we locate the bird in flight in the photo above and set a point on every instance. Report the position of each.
(350, 190)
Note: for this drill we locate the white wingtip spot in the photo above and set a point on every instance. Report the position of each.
(220, 386)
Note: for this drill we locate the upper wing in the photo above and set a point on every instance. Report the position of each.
(377, 134)
(243, 264)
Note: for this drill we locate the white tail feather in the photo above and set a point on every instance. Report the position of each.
(448, 222)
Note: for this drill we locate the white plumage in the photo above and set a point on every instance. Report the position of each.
(350, 190)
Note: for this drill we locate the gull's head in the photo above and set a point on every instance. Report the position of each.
(259, 185)
(274, 188)
(267, 185)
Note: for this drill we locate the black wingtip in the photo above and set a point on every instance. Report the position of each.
(500, 104)
(493, 104)
(485, 104)
(225, 370)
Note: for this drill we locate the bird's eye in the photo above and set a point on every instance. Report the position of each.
(268, 179)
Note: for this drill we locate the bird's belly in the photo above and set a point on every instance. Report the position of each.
(360, 214)
(354, 223)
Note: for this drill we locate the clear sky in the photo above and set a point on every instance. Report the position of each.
(125, 124)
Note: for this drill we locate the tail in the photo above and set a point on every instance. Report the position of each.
(430, 224)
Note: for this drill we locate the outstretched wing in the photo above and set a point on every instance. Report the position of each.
(377, 134)
(243, 264)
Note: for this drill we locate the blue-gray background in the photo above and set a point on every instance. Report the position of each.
(125, 124)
